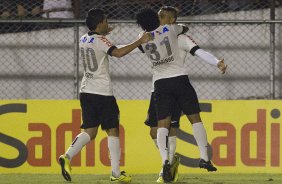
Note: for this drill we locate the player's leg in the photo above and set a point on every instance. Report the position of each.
(88, 103)
(189, 103)
(162, 140)
(151, 121)
(171, 144)
(114, 148)
(78, 143)
(202, 142)
(163, 110)
(161, 133)
(174, 159)
(163, 100)
(162, 137)
(171, 140)
(174, 126)
(110, 123)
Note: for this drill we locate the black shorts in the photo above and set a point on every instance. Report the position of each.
(177, 89)
(99, 110)
(152, 120)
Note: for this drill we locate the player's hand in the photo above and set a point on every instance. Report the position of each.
(222, 66)
(147, 36)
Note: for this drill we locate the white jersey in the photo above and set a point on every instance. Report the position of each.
(164, 53)
(94, 49)
(185, 44)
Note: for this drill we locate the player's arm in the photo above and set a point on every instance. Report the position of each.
(119, 52)
(211, 59)
(134, 51)
(188, 44)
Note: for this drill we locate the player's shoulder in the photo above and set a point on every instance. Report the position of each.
(186, 39)
(175, 27)
(185, 36)
(182, 36)
(104, 40)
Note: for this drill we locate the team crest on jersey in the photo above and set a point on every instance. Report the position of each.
(165, 29)
(84, 40)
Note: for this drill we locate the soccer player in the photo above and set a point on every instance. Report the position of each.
(171, 83)
(98, 104)
(168, 15)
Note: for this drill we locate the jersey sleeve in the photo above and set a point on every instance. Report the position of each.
(187, 43)
(105, 45)
(179, 28)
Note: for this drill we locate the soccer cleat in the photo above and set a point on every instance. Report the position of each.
(66, 168)
(160, 179)
(123, 178)
(174, 168)
(167, 172)
(207, 165)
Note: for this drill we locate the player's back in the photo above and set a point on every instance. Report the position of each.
(93, 52)
(163, 52)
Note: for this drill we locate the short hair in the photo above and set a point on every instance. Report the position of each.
(171, 9)
(148, 19)
(94, 17)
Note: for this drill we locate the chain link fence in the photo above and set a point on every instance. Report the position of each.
(126, 9)
(40, 56)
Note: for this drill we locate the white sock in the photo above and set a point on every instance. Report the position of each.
(81, 140)
(172, 147)
(201, 139)
(156, 143)
(114, 147)
(162, 139)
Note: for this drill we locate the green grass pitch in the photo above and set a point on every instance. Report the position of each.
(206, 178)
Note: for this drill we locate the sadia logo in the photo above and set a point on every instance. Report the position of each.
(15, 143)
(43, 158)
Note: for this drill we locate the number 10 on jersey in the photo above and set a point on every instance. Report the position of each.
(89, 59)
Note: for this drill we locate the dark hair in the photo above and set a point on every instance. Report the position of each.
(171, 9)
(148, 19)
(94, 17)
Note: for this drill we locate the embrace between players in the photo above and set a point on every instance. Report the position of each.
(166, 44)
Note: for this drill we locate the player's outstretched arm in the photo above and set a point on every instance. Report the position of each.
(211, 59)
(119, 52)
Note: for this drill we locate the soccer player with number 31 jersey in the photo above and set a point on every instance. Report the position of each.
(171, 83)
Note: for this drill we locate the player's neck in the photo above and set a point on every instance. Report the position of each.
(98, 31)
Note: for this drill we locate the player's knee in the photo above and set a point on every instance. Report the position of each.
(172, 132)
(194, 118)
(113, 132)
(153, 132)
